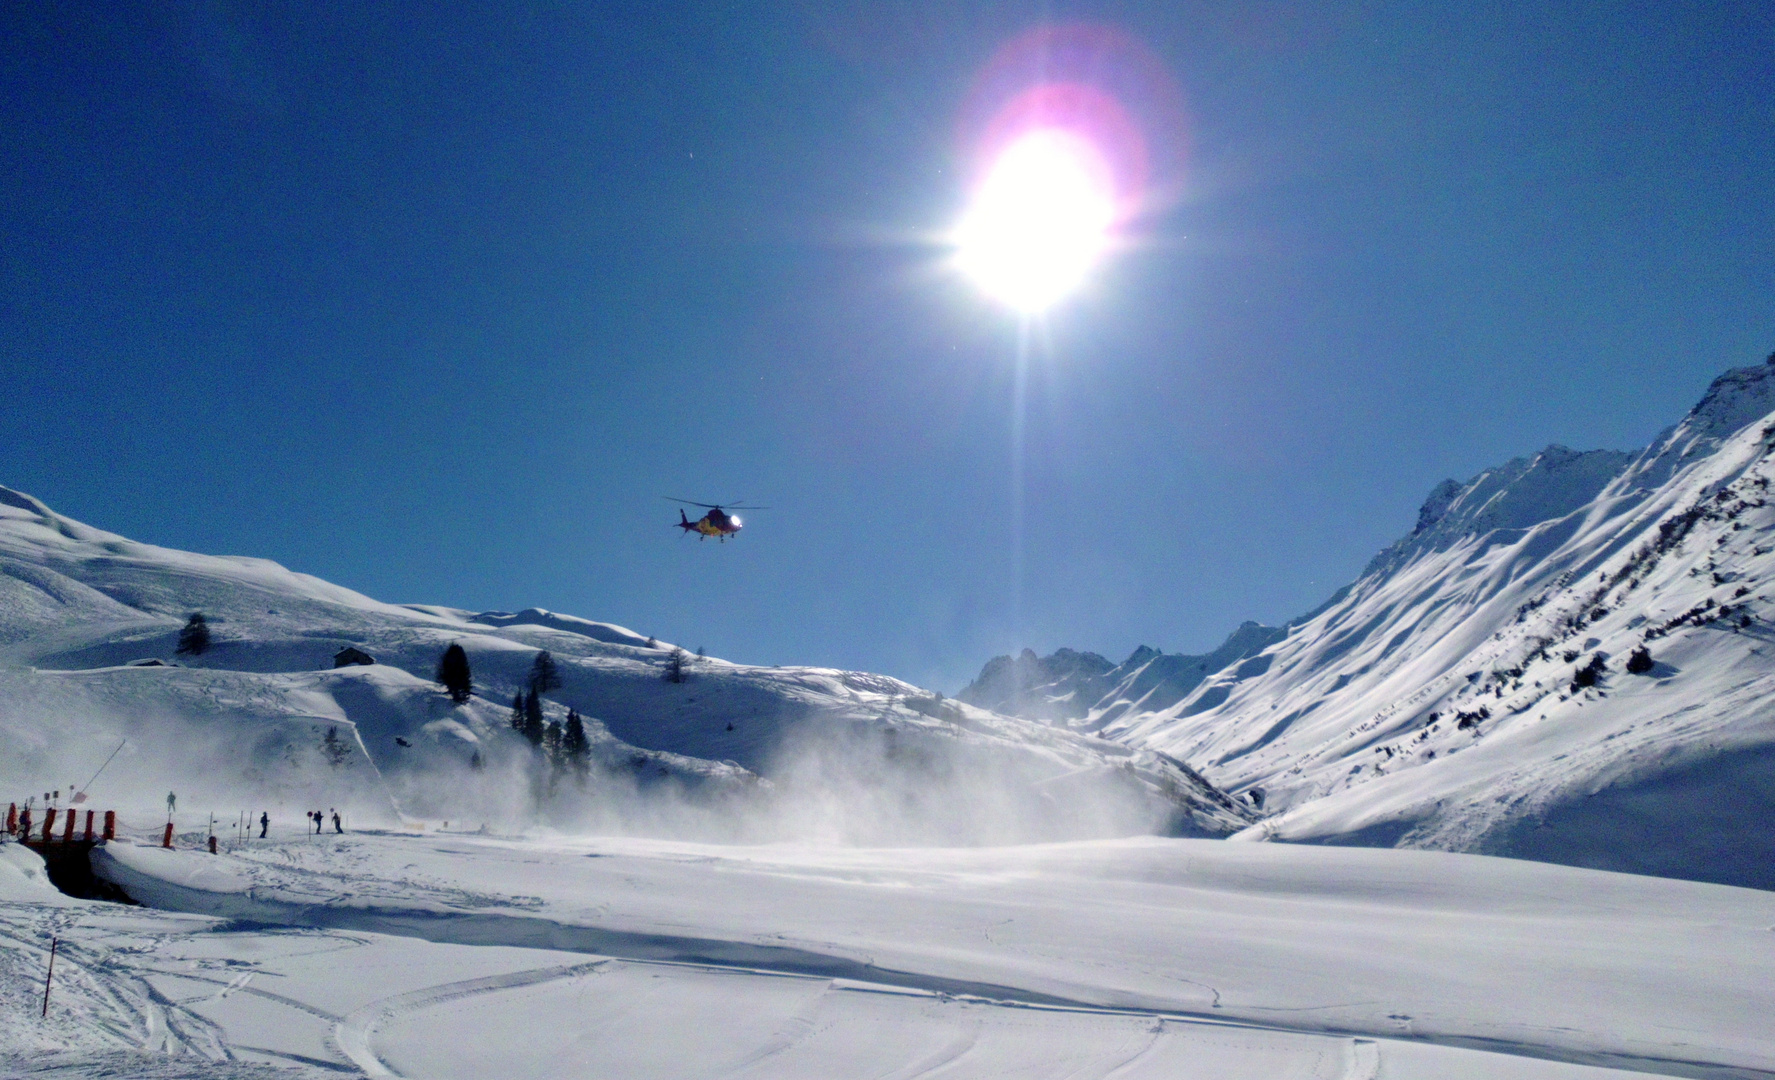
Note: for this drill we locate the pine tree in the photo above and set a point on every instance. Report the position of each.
(475, 762)
(1587, 675)
(699, 653)
(576, 748)
(675, 666)
(551, 745)
(1640, 661)
(453, 673)
(336, 749)
(533, 726)
(517, 718)
(194, 640)
(544, 676)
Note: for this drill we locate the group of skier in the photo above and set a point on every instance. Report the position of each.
(315, 818)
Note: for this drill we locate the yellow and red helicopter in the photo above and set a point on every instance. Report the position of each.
(717, 522)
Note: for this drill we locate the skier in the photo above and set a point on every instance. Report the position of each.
(336, 827)
(314, 816)
(264, 823)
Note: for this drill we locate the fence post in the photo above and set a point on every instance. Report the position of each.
(110, 824)
(12, 817)
(89, 826)
(68, 833)
(167, 840)
(48, 825)
(50, 974)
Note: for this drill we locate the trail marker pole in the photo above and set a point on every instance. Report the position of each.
(48, 975)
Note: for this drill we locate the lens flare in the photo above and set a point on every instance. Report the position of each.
(1039, 220)
(1055, 134)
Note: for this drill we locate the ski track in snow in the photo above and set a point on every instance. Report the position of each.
(330, 985)
(354, 1032)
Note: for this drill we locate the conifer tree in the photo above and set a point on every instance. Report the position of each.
(544, 676)
(675, 666)
(336, 749)
(533, 726)
(453, 674)
(576, 748)
(194, 639)
(517, 717)
(551, 745)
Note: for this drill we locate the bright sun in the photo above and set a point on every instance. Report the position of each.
(1039, 220)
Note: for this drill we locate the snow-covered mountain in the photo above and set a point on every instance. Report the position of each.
(89, 625)
(1475, 689)
(1086, 691)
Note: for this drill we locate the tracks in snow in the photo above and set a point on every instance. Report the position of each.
(353, 1033)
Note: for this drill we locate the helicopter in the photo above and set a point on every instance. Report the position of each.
(717, 522)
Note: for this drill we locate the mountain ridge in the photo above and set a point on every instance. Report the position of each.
(1470, 690)
(257, 717)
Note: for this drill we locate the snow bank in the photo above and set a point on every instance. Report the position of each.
(23, 877)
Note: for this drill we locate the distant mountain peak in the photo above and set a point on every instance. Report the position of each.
(1517, 495)
(1085, 691)
(1734, 400)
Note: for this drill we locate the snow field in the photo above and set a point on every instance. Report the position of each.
(759, 961)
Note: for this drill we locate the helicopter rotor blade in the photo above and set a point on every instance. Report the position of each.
(735, 505)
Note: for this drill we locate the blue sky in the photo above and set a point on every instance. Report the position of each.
(438, 303)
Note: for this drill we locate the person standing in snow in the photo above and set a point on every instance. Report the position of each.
(314, 816)
(264, 823)
(336, 826)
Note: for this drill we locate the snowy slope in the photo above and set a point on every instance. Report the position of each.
(1432, 703)
(245, 723)
(1127, 958)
